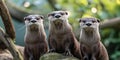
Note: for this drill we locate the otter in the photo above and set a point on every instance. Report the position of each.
(61, 39)
(91, 46)
(35, 38)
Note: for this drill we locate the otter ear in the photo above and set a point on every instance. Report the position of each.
(24, 18)
(79, 20)
(98, 20)
(48, 14)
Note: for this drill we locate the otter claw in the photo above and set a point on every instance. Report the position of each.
(51, 50)
(85, 58)
(67, 53)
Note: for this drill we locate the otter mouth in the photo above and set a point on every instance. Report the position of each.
(58, 23)
(88, 28)
(33, 27)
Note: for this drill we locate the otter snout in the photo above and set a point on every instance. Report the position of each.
(57, 16)
(33, 21)
(88, 24)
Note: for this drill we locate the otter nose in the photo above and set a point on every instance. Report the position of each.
(33, 21)
(57, 16)
(88, 24)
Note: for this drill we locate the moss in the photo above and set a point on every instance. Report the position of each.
(56, 56)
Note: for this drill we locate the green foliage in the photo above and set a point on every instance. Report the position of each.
(116, 55)
(37, 6)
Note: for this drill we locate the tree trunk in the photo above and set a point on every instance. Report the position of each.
(8, 37)
(7, 20)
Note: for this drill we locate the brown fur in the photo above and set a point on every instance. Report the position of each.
(91, 46)
(61, 38)
(35, 42)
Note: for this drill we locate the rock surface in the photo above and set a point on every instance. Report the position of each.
(6, 55)
(56, 56)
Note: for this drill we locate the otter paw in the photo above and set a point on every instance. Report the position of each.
(93, 58)
(85, 58)
(67, 53)
(51, 50)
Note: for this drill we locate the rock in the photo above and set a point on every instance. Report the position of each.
(6, 55)
(20, 49)
(56, 56)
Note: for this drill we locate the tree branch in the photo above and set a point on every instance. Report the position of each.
(7, 20)
(112, 23)
(52, 4)
(10, 45)
(8, 37)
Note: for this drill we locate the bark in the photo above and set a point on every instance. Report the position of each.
(52, 4)
(112, 23)
(56, 56)
(6, 55)
(6, 18)
(8, 36)
(10, 45)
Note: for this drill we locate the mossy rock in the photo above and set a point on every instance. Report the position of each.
(6, 55)
(56, 56)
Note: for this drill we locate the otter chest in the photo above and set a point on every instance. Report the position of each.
(61, 41)
(33, 39)
(90, 47)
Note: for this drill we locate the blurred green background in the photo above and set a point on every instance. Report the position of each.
(102, 9)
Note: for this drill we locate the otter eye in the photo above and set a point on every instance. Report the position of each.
(37, 18)
(93, 21)
(28, 19)
(83, 21)
(52, 14)
(62, 13)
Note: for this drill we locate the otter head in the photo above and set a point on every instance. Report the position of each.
(58, 18)
(89, 24)
(33, 22)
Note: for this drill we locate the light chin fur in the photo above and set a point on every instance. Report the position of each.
(33, 27)
(57, 21)
(88, 28)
